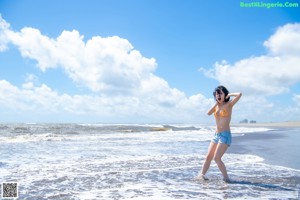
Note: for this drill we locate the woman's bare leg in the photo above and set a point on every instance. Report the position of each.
(220, 150)
(210, 155)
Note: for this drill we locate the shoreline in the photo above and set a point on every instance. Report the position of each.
(289, 124)
(277, 147)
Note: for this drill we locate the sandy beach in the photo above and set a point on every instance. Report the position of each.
(266, 144)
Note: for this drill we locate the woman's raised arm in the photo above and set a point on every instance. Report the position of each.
(236, 96)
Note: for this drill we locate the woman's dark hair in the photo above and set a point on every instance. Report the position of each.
(218, 91)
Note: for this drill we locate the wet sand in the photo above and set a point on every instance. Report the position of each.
(279, 146)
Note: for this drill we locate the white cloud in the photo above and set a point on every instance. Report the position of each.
(267, 74)
(259, 77)
(123, 85)
(153, 107)
(286, 41)
(4, 27)
(296, 99)
(122, 81)
(101, 64)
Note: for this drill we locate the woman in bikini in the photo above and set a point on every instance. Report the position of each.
(222, 110)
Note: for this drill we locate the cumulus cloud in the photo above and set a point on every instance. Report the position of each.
(101, 64)
(121, 80)
(286, 41)
(122, 83)
(266, 75)
(156, 107)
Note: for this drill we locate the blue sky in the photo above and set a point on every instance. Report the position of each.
(146, 61)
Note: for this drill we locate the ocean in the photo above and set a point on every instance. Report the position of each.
(141, 161)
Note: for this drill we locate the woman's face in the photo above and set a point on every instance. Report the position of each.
(220, 96)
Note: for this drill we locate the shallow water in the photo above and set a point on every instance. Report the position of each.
(73, 161)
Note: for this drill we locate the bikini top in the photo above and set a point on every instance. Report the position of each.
(222, 113)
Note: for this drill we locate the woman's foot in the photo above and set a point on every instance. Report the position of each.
(227, 180)
(201, 177)
(204, 177)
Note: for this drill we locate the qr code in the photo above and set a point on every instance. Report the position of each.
(9, 190)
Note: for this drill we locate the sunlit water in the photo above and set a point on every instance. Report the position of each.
(73, 161)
